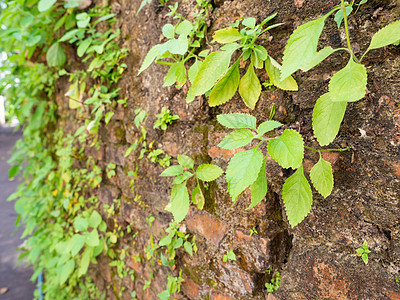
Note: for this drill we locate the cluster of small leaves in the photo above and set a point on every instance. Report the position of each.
(173, 286)
(174, 240)
(65, 231)
(247, 169)
(164, 118)
(363, 252)
(179, 203)
(347, 85)
(154, 155)
(183, 40)
(275, 283)
(230, 255)
(220, 82)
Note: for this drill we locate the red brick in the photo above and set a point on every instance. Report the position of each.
(242, 237)
(393, 295)
(218, 296)
(332, 157)
(214, 152)
(190, 288)
(236, 279)
(298, 3)
(206, 225)
(396, 169)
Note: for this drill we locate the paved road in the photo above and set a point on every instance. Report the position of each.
(16, 279)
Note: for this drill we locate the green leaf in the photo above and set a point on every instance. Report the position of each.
(386, 36)
(86, 257)
(212, 68)
(188, 248)
(208, 172)
(94, 219)
(168, 31)
(178, 46)
(179, 203)
(150, 57)
(198, 197)
(365, 258)
(322, 177)
(349, 84)
(185, 161)
(256, 61)
(55, 56)
(164, 295)
(92, 238)
(226, 87)
(45, 4)
(301, 46)
(267, 126)
(242, 171)
(172, 171)
(78, 241)
(259, 187)
(83, 47)
(231, 255)
(180, 74)
(237, 120)
(184, 28)
(318, 58)
(66, 271)
(70, 34)
(250, 87)
(170, 78)
(249, 22)
(14, 170)
(181, 178)
(273, 69)
(297, 197)
(287, 149)
(327, 117)
(80, 224)
(227, 35)
(236, 139)
(261, 52)
(340, 15)
(193, 70)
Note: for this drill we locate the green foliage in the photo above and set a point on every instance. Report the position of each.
(214, 76)
(363, 252)
(247, 169)
(65, 232)
(327, 117)
(56, 56)
(297, 197)
(348, 84)
(183, 40)
(322, 177)
(230, 255)
(179, 203)
(287, 149)
(275, 283)
(385, 36)
(164, 118)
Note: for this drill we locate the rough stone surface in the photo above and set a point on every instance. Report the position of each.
(317, 259)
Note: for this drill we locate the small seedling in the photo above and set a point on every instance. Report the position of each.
(110, 170)
(229, 255)
(363, 252)
(275, 283)
(164, 118)
(253, 231)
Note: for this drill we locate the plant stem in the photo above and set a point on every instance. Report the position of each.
(346, 26)
(329, 150)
